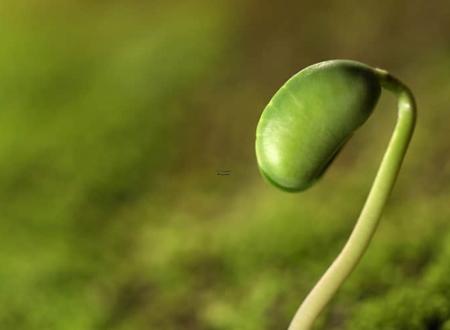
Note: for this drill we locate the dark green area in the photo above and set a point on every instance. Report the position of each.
(114, 119)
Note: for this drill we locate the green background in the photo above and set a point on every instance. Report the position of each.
(115, 117)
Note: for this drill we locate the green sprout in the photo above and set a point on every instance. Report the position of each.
(301, 131)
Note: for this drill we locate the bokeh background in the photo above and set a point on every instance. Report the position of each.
(115, 117)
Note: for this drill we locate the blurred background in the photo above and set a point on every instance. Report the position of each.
(115, 117)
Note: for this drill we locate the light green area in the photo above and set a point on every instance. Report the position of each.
(115, 117)
(310, 118)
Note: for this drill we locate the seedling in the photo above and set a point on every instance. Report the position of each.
(301, 131)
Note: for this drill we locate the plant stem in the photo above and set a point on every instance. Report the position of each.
(369, 218)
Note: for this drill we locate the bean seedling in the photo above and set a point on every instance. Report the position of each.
(301, 131)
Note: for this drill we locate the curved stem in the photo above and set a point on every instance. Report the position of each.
(369, 218)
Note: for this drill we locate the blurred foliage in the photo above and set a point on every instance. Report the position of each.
(115, 117)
